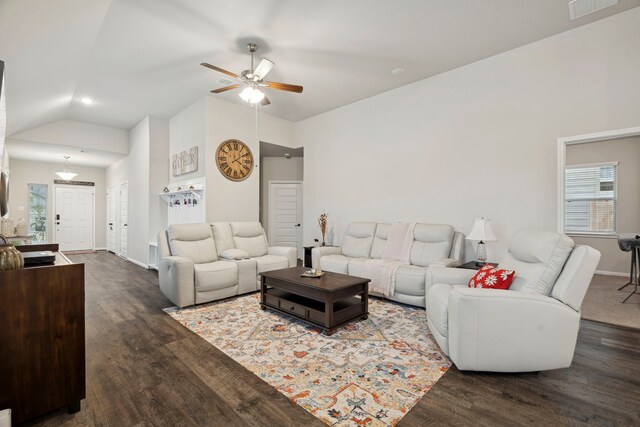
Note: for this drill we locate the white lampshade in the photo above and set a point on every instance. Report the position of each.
(67, 175)
(482, 231)
(251, 95)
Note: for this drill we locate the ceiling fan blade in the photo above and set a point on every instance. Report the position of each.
(284, 86)
(220, 70)
(265, 101)
(263, 69)
(224, 89)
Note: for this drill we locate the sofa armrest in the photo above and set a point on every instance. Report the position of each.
(446, 262)
(451, 276)
(176, 277)
(289, 252)
(321, 251)
(510, 331)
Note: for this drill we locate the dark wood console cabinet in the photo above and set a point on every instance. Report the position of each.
(42, 338)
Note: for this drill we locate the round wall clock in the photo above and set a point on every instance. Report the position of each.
(234, 160)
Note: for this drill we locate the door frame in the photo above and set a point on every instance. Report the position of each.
(55, 208)
(300, 250)
(119, 219)
(115, 220)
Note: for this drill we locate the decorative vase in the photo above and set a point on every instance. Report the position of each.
(10, 257)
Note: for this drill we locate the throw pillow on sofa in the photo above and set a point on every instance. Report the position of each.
(491, 277)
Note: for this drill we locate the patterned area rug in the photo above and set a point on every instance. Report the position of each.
(368, 373)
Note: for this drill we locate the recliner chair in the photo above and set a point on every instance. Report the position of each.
(533, 326)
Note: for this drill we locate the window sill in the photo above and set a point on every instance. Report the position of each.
(591, 235)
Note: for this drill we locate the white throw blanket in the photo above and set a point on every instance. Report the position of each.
(396, 253)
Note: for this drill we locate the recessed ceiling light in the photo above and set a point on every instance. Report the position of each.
(397, 71)
(86, 101)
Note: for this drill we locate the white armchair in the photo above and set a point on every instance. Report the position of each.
(533, 326)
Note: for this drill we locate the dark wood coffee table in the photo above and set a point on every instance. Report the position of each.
(329, 301)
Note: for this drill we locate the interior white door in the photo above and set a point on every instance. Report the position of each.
(74, 218)
(111, 219)
(285, 214)
(123, 220)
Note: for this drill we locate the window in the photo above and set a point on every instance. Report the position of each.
(38, 212)
(590, 198)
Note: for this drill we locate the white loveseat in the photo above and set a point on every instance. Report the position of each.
(434, 244)
(533, 326)
(206, 262)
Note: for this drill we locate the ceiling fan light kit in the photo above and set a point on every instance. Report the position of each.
(251, 95)
(252, 80)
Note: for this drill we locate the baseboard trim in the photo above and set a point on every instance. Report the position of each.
(131, 260)
(611, 273)
(100, 249)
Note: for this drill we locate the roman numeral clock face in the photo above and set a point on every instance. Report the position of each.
(234, 160)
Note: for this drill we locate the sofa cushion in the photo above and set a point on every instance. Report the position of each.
(432, 242)
(215, 275)
(356, 266)
(223, 236)
(380, 240)
(249, 236)
(358, 239)
(410, 280)
(271, 262)
(193, 241)
(438, 307)
(538, 258)
(336, 263)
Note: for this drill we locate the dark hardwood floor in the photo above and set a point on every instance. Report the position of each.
(143, 368)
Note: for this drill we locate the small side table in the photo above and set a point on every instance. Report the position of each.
(471, 265)
(307, 256)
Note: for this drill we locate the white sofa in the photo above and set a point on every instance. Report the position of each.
(206, 262)
(533, 326)
(434, 244)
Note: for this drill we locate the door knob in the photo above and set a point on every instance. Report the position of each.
(297, 225)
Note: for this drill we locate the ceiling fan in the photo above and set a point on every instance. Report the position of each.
(253, 80)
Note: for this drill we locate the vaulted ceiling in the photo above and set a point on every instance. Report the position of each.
(139, 57)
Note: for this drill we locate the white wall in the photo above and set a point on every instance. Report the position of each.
(476, 141)
(24, 172)
(146, 169)
(186, 130)
(138, 242)
(159, 165)
(207, 123)
(238, 201)
(276, 169)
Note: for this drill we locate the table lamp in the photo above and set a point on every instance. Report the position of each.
(482, 232)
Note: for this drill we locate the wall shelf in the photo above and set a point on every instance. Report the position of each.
(196, 193)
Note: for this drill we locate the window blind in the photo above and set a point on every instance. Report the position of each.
(590, 199)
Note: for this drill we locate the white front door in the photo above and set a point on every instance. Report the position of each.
(74, 218)
(285, 214)
(111, 219)
(123, 221)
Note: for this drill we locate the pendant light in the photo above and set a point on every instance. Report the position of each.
(67, 175)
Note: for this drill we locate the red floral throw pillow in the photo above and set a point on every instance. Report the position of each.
(491, 277)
